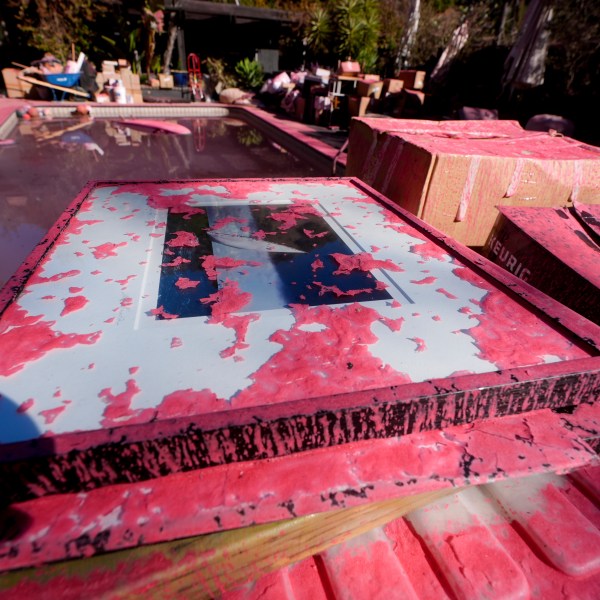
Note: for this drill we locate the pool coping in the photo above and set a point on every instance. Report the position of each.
(296, 137)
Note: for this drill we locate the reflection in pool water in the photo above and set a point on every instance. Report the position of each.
(53, 159)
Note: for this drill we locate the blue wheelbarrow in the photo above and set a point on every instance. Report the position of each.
(62, 80)
(61, 84)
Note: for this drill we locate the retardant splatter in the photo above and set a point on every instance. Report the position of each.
(107, 250)
(211, 263)
(183, 239)
(315, 363)
(72, 304)
(183, 283)
(509, 335)
(228, 299)
(363, 261)
(25, 338)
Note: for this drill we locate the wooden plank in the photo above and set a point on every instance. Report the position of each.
(51, 86)
(206, 566)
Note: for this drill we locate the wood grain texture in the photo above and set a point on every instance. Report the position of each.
(206, 566)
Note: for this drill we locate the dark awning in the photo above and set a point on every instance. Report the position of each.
(198, 9)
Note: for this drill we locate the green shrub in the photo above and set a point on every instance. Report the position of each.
(250, 74)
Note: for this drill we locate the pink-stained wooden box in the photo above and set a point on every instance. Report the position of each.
(554, 250)
(168, 327)
(453, 174)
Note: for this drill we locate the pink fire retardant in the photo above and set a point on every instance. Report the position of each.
(190, 327)
(452, 174)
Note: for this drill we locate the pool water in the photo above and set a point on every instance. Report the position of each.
(52, 159)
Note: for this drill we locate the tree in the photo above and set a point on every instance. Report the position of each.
(346, 29)
(54, 25)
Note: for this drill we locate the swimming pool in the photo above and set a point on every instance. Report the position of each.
(54, 157)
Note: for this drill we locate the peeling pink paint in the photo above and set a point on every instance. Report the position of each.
(25, 406)
(314, 363)
(292, 214)
(36, 278)
(107, 250)
(424, 281)
(72, 304)
(393, 324)
(50, 414)
(118, 409)
(160, 312)
(317, 264)
(211, 263)
(446, 293)
(322, 366)
(25, 338)
(240, 324)
(183, 283)
(76, 225)
(311, 234)
(176, 262)
(186, 402)
(125, 282)
(227, 221)
(183, 239)
(363, 261)
(228, 299)
(522, 344)
(421, 345)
